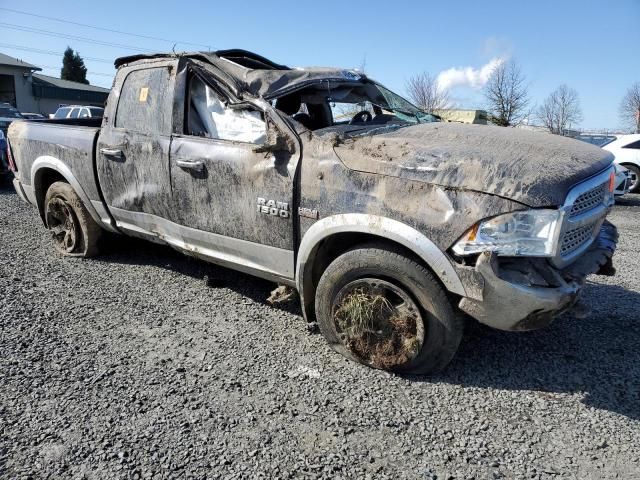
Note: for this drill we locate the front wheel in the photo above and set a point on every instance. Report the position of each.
(74, 232)
(378, 307)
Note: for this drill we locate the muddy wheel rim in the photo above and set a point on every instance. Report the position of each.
(63, 224)
(387, 335)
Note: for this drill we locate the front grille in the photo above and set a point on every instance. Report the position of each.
(574, 239)
(589, 200)
(584, 210)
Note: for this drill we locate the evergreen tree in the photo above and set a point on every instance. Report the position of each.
(73, 67)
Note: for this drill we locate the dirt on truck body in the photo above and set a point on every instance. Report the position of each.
(388, 223)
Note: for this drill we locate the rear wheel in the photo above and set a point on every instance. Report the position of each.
(74, 232)
(634, 176)
(378, 307)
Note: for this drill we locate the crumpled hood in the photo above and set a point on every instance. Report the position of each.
(533, 168)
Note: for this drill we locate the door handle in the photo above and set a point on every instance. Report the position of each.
(112, 153)
(197, 165)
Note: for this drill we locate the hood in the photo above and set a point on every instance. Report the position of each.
(533, 168)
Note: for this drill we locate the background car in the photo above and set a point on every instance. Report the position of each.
(78, 111)
(4, 164)
(8, 113)
(597, 139)
(33, 116)
(626, 149)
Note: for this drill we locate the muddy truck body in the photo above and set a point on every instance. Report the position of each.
(390, 225)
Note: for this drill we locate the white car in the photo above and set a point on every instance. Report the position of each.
(78, 111)
(626, 150)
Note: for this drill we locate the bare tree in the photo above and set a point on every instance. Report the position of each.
(560, 109)
(630, 107)
(424, 91)
(507, 94)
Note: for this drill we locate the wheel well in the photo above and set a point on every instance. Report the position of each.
(332, 247)
(45, 177)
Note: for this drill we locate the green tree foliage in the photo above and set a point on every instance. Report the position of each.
(73, 67)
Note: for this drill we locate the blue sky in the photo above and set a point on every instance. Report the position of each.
(593, 46)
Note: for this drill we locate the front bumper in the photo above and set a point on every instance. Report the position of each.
(528, 293)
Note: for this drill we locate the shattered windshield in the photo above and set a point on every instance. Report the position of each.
(347, 101)
(332, 103)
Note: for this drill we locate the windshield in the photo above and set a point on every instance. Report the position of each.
(364, 103)
(348, 100)
(9, 112)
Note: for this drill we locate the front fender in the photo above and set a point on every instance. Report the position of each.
(382, 227)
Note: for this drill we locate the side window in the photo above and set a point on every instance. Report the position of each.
(635, 145)
(74, 113)
(145, 101)
(62, 113)
(209, 117)
(84, 113)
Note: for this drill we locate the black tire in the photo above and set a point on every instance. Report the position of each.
(392, 272)
(635, 171)
(74, 232)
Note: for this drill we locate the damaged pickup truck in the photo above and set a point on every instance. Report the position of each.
(388, 223)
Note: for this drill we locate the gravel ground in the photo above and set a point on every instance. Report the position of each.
(144, 363)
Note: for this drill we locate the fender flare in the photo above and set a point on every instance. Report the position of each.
(383, 227)
(52, 163)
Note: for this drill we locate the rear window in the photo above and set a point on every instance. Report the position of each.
(145, 101)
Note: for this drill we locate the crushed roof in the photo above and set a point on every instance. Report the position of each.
(251, 73)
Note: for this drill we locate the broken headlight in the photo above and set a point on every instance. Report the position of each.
(528, 233)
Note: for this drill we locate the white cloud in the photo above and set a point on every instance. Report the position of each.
(468, 76)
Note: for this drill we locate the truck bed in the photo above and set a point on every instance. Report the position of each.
(66, 146)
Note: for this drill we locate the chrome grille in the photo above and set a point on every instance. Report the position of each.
(589, 200)
(574, 239)
(584, 210)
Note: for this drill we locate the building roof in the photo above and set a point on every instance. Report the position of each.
(15, 62)
(58, 82)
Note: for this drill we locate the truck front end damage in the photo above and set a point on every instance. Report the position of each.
(517, 291)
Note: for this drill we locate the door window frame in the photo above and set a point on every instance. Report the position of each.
(184, 102)
(113, 109)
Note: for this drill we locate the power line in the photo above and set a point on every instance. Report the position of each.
(71, 37)
(208, 47)
(51, 52)
(89, 72)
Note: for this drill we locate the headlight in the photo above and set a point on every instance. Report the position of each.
(530, 233)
